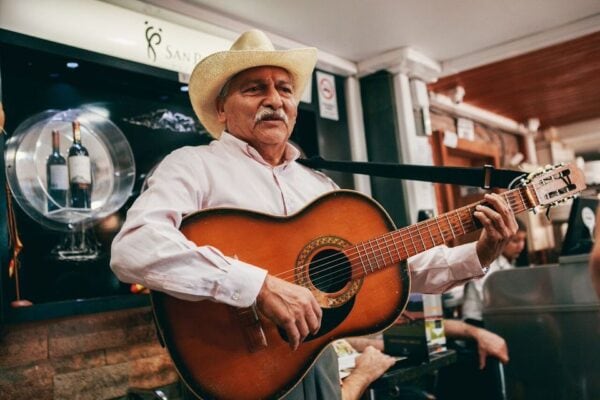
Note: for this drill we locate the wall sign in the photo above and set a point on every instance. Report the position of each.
(328, 107)
(115, 31)
(112, 30)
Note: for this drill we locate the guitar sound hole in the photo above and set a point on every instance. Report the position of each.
(329, 271)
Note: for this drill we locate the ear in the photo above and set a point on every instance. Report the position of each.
(220, 106)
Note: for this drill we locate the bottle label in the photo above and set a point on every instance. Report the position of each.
(79, 169)
(59, 179)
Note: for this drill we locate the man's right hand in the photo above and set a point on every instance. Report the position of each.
(490, 344)
(290, 307)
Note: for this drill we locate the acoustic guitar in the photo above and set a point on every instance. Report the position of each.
(345, 249)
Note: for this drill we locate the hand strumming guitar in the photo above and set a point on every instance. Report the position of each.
(499, 225)
(290, 307)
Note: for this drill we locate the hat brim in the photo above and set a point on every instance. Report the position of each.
(214, 71)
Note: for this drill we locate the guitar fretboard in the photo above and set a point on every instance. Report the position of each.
(396, 246)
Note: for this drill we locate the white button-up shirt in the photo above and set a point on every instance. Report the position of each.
(473, 296)
(228, 172)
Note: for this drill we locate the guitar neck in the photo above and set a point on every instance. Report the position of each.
(399, 245)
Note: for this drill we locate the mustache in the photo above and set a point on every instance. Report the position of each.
(267, 113)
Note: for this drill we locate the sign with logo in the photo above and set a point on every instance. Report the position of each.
(328, 107)
(112, 30)
(115, 31)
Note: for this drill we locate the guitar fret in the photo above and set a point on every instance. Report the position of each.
(420, 237)
(380, 252)
(507, 199)
(362, 263)
(374, 255)
(437, 222)
(451, 228)
(411, 240)
(395, 247)
(404, 245)
(460, 221)
(472, 220)
(430, 234)
(367, 255)
(388, 249)
(522, 198)
(383, 251)
(515, 204)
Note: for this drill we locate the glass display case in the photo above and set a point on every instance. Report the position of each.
(69, 193)
(68, 209)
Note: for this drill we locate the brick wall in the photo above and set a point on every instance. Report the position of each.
(94, 357)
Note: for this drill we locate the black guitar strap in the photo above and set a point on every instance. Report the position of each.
(486, 177)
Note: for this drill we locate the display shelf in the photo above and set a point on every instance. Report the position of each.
(70, 308)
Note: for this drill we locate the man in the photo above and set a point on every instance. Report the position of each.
(473, 297)
(248, 98)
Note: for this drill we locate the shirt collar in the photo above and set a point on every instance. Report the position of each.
(291, 153)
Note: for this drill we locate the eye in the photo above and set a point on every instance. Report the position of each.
(287, 90)
(251, 89)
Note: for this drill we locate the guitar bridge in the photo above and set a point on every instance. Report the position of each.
(253, 332)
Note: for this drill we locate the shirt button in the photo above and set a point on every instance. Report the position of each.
(236, 295)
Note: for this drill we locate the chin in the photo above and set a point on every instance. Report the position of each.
(274, 136)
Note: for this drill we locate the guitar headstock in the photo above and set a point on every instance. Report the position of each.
(556, 184)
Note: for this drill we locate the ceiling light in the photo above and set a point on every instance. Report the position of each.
(184, 88)
(72, 64)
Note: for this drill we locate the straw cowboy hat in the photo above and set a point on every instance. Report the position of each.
(251, 49)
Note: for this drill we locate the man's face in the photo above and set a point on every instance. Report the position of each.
(515, 245)
(260, 107)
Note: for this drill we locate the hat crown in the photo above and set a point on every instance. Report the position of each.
(253, 40)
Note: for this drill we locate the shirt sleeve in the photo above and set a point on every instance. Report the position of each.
(151, 250)
(442, 268)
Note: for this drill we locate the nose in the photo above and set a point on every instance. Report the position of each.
(272, 98)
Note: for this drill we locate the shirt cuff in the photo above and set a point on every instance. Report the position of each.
(243, 283)
(466, 256)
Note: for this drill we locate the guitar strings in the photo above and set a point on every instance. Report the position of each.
(404, 234)
(511, 198)
(336, 260)
(331, 274)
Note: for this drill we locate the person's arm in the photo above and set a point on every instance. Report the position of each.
(442, 268)
(370, 365)
(362, 342)
(595, 257)
(150, 250)
(488, 343)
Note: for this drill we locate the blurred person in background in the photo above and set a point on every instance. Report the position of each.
(473, 295)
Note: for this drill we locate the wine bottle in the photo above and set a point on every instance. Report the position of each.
(80, 172)
(57, 179)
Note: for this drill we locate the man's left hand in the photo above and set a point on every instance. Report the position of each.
(499, 225)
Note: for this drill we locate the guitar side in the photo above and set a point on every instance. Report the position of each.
(229, 353)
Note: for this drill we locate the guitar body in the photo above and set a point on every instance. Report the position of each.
(223, 352)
